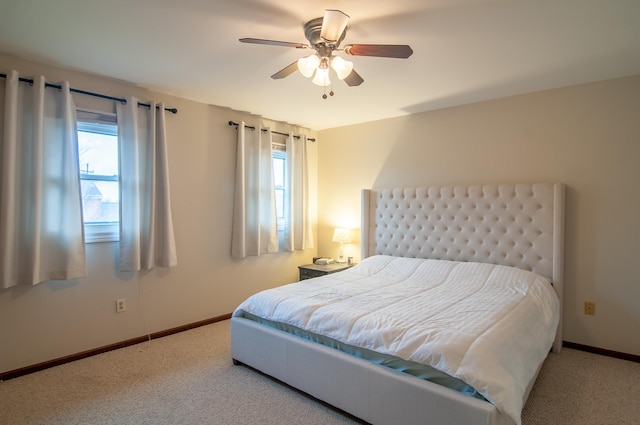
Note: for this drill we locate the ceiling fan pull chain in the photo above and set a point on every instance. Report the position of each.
(331, 93)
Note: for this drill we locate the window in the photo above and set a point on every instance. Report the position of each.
(280, 183)
(98, 154)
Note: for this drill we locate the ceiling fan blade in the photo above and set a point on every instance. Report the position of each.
(286, 71)
(274, 43)
(401, 51)
(353, 79)
(333, 25)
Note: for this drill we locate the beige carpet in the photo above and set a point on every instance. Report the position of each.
(188, 378)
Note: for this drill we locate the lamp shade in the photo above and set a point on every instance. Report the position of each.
(342, 235)
(308, 65)
(342, 67)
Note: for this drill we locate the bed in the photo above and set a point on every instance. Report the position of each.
(481, 235)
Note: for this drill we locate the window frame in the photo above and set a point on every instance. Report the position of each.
(279, 152)
(100, 123)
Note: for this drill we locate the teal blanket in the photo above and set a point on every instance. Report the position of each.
(418, 370)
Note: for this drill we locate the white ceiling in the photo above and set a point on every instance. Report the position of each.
(464, 50)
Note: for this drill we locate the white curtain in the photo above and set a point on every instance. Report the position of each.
(299, 235)
(146, 226)
(254, 230)
(41, 230)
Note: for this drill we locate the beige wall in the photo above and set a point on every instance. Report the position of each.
(586, 136)
(56, 319)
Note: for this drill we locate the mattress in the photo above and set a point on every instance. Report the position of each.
(490, 326)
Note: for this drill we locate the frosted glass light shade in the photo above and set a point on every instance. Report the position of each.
(342, 67)
(322, 77)
(308, 65)
(333, 25)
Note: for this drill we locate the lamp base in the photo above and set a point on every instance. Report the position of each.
(341, 259)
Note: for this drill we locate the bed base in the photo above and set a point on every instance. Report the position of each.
(370, 392)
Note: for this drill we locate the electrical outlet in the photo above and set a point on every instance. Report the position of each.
(121, 305)
(590, 308)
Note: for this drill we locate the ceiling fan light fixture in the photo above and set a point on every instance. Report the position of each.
(307, 65)
(341, 66)
(322, 77)
(325, 35)
(333, 25)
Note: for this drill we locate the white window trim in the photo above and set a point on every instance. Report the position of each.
(98, 232)
(101, 232)
(279, 151)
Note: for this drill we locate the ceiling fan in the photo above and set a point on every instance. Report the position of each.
(325, 35)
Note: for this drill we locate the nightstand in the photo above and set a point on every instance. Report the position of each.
(309, 271)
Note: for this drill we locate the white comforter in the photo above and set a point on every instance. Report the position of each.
(490, 326)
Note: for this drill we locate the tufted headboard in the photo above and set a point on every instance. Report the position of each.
(517, 225)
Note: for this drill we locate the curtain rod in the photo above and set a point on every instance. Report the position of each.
(235, 124)
(88, 93)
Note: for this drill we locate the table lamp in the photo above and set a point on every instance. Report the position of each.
(341, 235)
